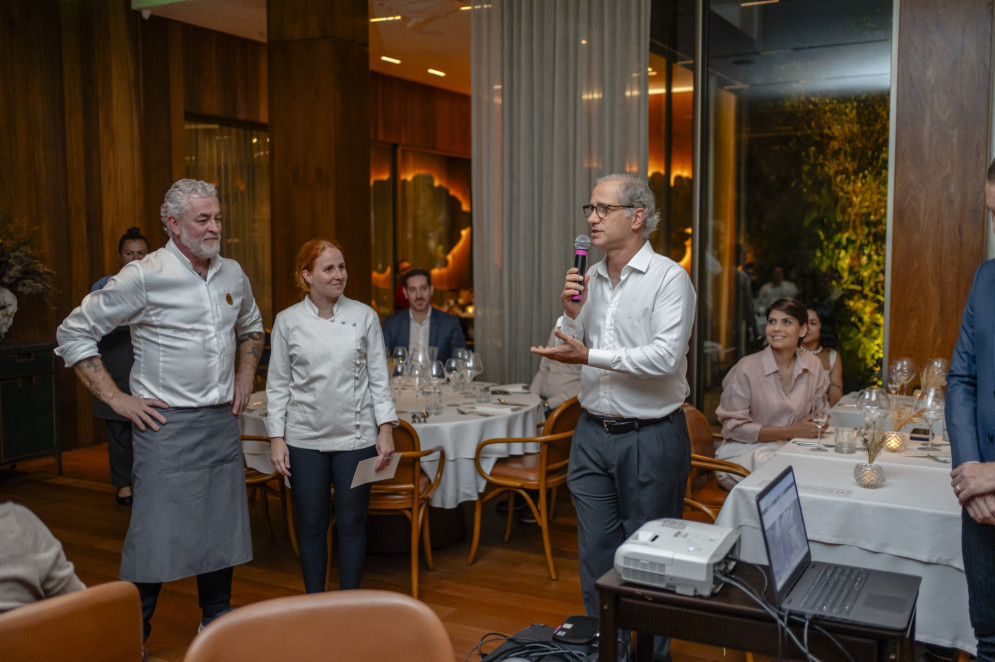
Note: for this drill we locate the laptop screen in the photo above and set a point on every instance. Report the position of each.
(784, 531)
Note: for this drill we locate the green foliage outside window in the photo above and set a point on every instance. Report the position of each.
(845, 175)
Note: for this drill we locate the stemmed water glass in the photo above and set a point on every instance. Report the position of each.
(453, 371)
(418, 358)
(895, 376)
(474, 366)
(905, 372)
(873, 404)
(934, 373)
(399, 360)
(820, 416)
(930, 402)
(437, 373)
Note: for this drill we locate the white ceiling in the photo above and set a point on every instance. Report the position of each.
(431, 34)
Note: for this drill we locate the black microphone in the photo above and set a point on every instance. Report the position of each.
(582, 244)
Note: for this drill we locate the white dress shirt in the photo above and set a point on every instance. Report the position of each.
(638, 334)
(327, 386)
(418, 331)
(183, 327)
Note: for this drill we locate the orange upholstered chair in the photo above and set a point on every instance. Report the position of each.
(359, 626)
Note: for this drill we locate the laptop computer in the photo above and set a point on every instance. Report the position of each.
(802, 586)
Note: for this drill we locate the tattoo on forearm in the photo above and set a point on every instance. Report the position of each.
(256, 349)
(90, 370)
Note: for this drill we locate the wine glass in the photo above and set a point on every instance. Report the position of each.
(474, 366)
(437, 373)
(934, 373)
(895, 376)
(873, 405)
(930, 402)
(453, 371)
(906, 371)
(820, 416)
(400, 356)
(419, 357)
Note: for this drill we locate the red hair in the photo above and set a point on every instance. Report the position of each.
(306, 256)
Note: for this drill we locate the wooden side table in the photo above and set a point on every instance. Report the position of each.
(732, 620)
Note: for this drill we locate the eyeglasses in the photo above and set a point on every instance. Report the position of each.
(603, 209)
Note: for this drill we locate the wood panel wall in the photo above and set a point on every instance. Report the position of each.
(421, 116)
(942, 151)
(224, 76)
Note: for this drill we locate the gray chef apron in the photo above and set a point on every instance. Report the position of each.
(190, 514)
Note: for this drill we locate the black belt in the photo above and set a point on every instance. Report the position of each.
(616, 425)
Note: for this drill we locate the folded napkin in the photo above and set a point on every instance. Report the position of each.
(494, 408)
(510, 389)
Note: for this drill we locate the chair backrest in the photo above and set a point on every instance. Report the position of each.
(98, 624)
(702, 441)
(359, 626)
(563, 419)
(408, 470)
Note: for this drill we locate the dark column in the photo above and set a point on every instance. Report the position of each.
(319, 89)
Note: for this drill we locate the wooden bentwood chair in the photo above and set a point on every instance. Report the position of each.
(544, 471)
(266, 485)
(704, 495)
(409, 492)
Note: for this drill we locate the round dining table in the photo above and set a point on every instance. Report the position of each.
(463, 423)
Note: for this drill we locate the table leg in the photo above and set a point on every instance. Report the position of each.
(607, 632)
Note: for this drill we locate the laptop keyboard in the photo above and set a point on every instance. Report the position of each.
(834, 590)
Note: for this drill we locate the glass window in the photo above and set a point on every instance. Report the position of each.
(794, 167)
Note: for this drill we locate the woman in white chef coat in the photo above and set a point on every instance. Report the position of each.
(329, 407)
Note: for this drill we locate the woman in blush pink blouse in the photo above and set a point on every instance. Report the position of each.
(767, 397)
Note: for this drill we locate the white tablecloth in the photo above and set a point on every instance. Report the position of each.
(911, 525)
(457, 433)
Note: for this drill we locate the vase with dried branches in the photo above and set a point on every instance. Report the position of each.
(867, 474)
(20, 270)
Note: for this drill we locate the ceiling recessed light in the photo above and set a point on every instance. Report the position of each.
(758, 2)
(385, 18)
(392, 60)
(436, 72)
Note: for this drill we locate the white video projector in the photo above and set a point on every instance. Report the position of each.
(677, 555)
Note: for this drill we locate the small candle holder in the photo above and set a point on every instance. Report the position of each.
(868, 475)
(896, 442)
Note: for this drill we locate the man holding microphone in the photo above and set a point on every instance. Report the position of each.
(631, 453)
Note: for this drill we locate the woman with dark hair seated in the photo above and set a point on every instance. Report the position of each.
(828, 357)
(767, 397)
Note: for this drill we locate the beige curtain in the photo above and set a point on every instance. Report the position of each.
(559, 99)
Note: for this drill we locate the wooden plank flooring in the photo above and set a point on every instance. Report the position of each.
(506, 589)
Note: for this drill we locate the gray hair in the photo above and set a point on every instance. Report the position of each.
(635, 191)
(178, 198)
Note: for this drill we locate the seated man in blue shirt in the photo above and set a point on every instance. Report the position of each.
(421, 325)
